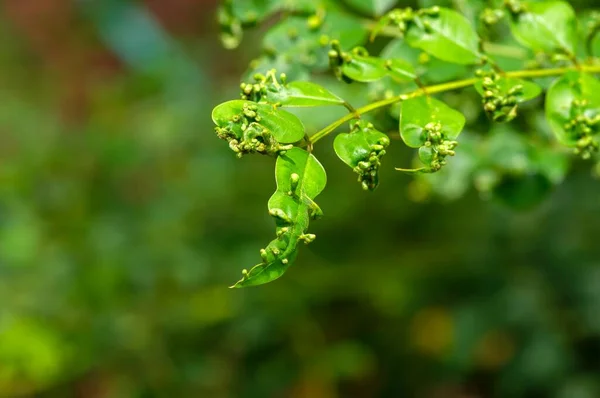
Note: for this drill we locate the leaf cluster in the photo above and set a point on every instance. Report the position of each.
(427, 53)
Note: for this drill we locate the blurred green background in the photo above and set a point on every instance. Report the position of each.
(123, 219)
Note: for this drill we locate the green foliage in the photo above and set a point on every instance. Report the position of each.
(300, 178)
(123, 219)
(573, 111)
(549, 26)
(372, 7)
(433, 44)
(362, 150)
(445, 34)
(364, 68)
(502, 95)
(250, 127)
(299, 94)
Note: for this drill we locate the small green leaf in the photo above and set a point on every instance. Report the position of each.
(430, 70)
(362, 149)
(548, 26)
(400, 69)
(372, 7)
(448, 36)
(285, 127)
(223, 116)
(416, 113)
(364, 69)
(562, 102)
(301, 94)
(312, 177)
(300, 178)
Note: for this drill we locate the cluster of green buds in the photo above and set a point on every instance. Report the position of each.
(368, 168)
(583, 127)
(254, 137)
(403, 18)
(253, 91)
(400, 18)
(256, 90)
(491, 16)
(436, 148)
(500, 106)
(514, 6)
(337, 58)
(424, 24)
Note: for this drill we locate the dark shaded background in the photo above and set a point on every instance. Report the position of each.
(123, 219)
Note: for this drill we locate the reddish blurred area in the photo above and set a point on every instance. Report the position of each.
(64, 45)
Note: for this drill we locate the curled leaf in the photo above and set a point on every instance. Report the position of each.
(416, 113)
(431, 126)
(573, 111)
(362, 150)
(250, 127)
(300, 178)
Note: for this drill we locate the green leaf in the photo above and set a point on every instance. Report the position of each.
(546, 26)
(223, 115)
(565, 92)
(364, 69)
(372, 7)
(348, 29)
(434, 70)
(285, 127)
(299, 94)
(400, 69)
(362, 149)
(448, 36)
(312, 177)
(300, 178)
(416, 113)
(529, 90)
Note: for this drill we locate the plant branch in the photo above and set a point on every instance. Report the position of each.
(440, 88)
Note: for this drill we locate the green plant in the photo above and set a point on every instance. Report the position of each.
(428, 51)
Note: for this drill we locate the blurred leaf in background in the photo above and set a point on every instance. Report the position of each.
(123, 219)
